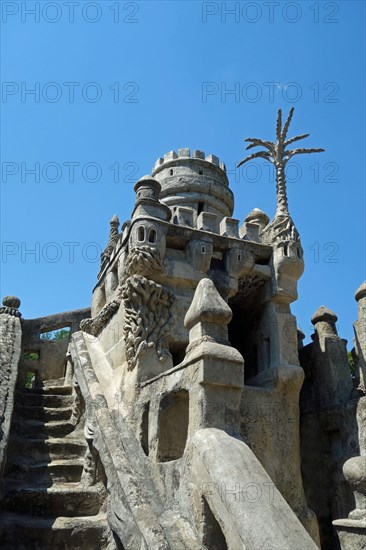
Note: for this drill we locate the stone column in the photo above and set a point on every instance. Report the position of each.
(352, 531)
(10, 344)
(217, 366)
(360, 334)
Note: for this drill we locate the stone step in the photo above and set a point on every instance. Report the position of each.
(54, 382)
(43, 399)
(61, 499)
(37, 412)
(32, 450)
(24, 532)
(43, 474)
(54, 428)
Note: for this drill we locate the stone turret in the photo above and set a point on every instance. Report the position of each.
(197, 182)
(147, 202)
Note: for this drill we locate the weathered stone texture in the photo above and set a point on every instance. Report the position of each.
(186, 413)
(10, 344)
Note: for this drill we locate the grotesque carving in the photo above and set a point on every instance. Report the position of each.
(143, 260)
(147, 317)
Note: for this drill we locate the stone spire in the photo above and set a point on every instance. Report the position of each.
(208, 315)
(113, 238)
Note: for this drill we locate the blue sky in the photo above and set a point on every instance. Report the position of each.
(118, 84)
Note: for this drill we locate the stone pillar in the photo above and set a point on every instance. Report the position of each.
(333, 378)
(10, 344)
(352, 531)
(217, 367)
(360, 335)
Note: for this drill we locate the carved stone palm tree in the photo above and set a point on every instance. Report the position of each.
(278, 154)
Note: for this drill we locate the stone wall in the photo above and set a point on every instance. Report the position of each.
(51, 361)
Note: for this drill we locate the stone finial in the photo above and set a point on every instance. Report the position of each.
(208, 315)
(258, 217)
(11, 306)
(11, 301)
(324, 314)
(253, 226)
(113, 238)
(324, 321)
(361, 292)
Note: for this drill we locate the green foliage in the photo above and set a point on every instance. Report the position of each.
(352, 366)
(29, 380)
(31, 355)
(59, 335)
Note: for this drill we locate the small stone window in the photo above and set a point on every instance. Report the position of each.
(200, 207)
(152, 236)
(203, 249)
(173, 425)
(30, 380)
(239, 257)
(58, 335)
(171, 171)
(285, 250)
(141, 234)
(200, 172)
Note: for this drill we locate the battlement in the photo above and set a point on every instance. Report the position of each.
(185, 153)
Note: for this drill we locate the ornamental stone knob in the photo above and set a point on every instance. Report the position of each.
(11, 301)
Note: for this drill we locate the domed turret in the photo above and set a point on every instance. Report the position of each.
(196, 182)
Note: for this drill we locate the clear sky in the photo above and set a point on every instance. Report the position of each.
(118, 84)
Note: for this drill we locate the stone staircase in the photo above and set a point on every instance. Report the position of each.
(44, 503)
